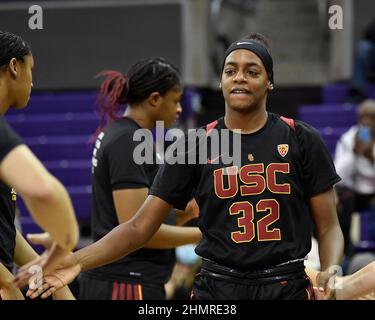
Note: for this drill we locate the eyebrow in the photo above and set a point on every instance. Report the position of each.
(250, 64)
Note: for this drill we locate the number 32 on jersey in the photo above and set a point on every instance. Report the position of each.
(253, 184)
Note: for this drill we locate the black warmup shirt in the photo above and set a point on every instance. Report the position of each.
(258, 217)
(8, 140)
(114, 169)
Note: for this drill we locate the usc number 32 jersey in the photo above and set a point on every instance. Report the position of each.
(256, 215)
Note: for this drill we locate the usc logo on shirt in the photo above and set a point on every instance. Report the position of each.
(13, 192)
(254, 177)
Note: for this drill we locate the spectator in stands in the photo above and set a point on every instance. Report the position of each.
(20, 171)
(364, 65)
(355, 163)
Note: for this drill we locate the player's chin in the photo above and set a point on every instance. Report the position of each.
(21, 104)
(169, 123)
(243, 107)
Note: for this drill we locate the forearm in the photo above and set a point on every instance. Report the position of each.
(8, 291)
(122, 240)
(23, 252)
(63, 294)
(168, 237)
(54, 213)
(358, 284)
(5, 276)
(181, 218)
(331, 247)
(126, 237)
(191, 211)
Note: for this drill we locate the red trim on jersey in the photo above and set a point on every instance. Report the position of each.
(210, 127)
(115, 291)
(122, 291)
(289, 122)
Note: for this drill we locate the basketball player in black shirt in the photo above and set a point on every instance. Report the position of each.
(20, 171)
(254, 217)
(152, 89)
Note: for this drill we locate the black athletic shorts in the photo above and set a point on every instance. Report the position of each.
(216, 282)
(94, 289)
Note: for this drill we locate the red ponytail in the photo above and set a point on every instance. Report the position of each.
(112, 95)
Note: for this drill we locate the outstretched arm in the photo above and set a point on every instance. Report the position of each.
(127, 203)
(126, 237)
(358, 284)
(120, 241)
(45, 197)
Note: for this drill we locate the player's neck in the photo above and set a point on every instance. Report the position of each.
(246, 122)
(140, 117)
(4, 104)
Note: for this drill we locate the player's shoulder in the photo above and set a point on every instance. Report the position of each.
(216, 124)
(210, 126)
(303, 131)
(125, 131)
(294, 124)
(282, 123)
(7, 134)
(4, 126)
(204, 131)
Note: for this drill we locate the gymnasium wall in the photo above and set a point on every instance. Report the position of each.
(78, 41)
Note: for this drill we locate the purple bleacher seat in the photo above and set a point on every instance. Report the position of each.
(81, 198)
(330, 136)
(332, 115)
(331, 120)
(367, 226)
(58, 127)
(28, 125)
(60, 103)
(338, 93)
(60, 148)
(71, 172)
(330, 141)
(29, 225)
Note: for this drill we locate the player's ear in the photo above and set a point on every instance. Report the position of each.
(220, 85)
(155, 99)
(270, 86)
(13, 67)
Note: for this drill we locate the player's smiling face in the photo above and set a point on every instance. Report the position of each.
(244, 81)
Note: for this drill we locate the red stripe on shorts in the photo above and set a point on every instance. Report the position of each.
(115, 291)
